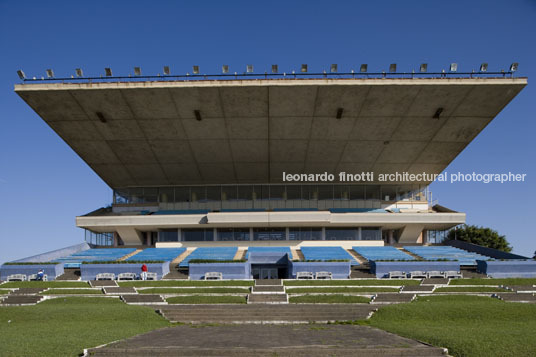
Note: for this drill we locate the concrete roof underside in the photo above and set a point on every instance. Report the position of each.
(253, 130)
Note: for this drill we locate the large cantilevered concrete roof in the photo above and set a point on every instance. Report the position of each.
(147, 133)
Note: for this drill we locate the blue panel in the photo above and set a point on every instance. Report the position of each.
(282, 250)
(446, 252)
(382, 253)
(327, 253)
(91, 255)
(210, 253)
(165, 254)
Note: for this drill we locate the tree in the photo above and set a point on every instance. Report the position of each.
(485, 237)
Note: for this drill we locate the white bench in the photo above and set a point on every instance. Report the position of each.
(151, 276)
(435, 274)
(453, 274)
(33, 277)
(323, 275)
(305, 275)
(16, 277)
(213, 275)
(126, 276)
(417, 274)
(397, 275)
(105, 276)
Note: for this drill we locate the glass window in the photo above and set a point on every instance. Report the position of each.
(245, 193)
(341, 234)
(121, 196)
(371, 234)
(277, 192)
(136, 195)
(168, 235)
(182, 194)
(310, 192)
(228, 193)
(341, 192)
(269, 234)
(166, 194)
(293, 192)
(197, 235)
(150, 194)
(325, 192)
(261, 192)
(233, 234)
(357, 192)
(372, 192)
(213, 193)
(305, 233)
(198, 194)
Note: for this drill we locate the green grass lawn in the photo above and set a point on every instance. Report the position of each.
(45, 284)
(328, 299)
(200, 299)
(372, 282)
(466, 325)
(507, 281)
(4, 292)
(194, 291)
(179, 283)
(72, 292)
(341, 290)
(65, 326)
(468, 289)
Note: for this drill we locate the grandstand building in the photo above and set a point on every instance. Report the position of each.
(205, 163)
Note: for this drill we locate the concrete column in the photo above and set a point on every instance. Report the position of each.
(323, 233)
(391, 237)
(215, 232)
(287, 235)
(179, 235)
(115, 239)
(251, 233)
(359, 236)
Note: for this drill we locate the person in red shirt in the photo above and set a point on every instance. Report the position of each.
(144, 272)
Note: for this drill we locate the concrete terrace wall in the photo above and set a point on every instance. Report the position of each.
(228, 270)
(489, 252)
(55, 254)
(339, 270)
(382, 269)
(51, 270)
(507, 268)
(90, 271)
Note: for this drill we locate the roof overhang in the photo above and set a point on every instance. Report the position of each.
(251, 131)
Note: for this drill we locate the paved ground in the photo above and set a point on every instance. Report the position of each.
(268, 340)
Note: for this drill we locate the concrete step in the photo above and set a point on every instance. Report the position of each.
(22, 300)
(267, 298)
(435, 281)
(266, 289)
(102, 283)
(516, 297)
(143, 299)
(268, 352)
(522, 288)
(27, 291)
(70, 274)
(268, 282)
(411, 289)
(362, 273)
(390, 298)
(119, 291)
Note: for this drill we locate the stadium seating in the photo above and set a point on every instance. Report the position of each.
(327, 253)
(447, 253)
(382, 253)
(357, 210)
(210, 253)
(281, 250)
(164, 254)
(185, 211)
(91, 255)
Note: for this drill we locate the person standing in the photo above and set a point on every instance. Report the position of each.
(144, 272)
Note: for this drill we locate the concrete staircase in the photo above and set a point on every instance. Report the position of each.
(516, 297)
(23, 296)
(391, 298)
(267, 291)
(70, 274)
(143, 299)
(266, 313)
(174, 271)
(130, 254)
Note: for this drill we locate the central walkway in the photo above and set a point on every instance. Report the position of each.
(268, 340)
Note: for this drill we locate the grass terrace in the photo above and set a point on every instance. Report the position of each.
(64, 327)
(73, 292)
(328, 299)
(2, 292)
(185, 283)
(194, 290)
(466, 325)
(361, 290)
(492, 281)
(200, 299)
(364, 282)
(45, 284)
(469, 289)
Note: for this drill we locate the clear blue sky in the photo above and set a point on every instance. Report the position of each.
(44, 184)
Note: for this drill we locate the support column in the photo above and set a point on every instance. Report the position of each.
(391, 237)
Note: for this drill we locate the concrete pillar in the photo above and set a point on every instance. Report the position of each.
(391, 237)
(287, 235)
(251, 233)
(323, 233)
(116, 239)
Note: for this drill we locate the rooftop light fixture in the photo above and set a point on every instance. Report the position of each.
(195, 69)
(21, 74)
(249, 68)
(304, 68)
(438, 113)
(333, 68)
(454, 67)
(108, 71)
(197, 114)
(79, 72)
(101, 117)
(424, 67)
(166, 71)
(392, 67)
(137, 71)
(50, 73)
(225, 69)
(363, 68)
(513, 67)
(484, 67)
(275, 68)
